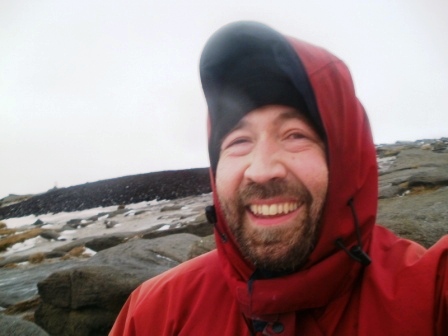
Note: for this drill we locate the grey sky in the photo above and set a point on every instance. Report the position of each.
(91, 90)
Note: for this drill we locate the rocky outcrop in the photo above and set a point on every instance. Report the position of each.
(12, 325)
(420, 216)
(413, 190)
(19, 283)
(413, 168)
(85, 300)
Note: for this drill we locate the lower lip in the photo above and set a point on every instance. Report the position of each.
(272, 220)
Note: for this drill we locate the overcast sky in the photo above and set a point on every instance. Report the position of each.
(91, 90)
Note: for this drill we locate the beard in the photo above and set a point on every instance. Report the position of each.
(280, 248)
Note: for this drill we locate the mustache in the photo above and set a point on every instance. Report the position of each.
(274, 188)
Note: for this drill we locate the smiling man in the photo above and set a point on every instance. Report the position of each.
(294, 175)
(271, 181)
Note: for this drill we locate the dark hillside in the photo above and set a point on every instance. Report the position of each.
(122, 190)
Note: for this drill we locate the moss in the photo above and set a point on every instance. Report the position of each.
(36, 258)
(18, 238)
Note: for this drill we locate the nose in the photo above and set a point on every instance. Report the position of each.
(265, 164)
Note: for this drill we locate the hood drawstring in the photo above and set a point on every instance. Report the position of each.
(356, 252)
(210, 213)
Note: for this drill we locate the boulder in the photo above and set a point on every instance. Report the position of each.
(176, 247)
(49, 234)
(420, 217)
(12, 325)
(204, 245)
(104, 242)
(437, 176)
(38, 222)
(103, 287)
(85, 300)
(199, 226)
(86, 321)
(413, 168)
(19, 284)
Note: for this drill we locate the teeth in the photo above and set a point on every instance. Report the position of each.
(273, 209)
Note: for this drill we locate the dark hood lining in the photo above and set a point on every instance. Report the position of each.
(246, 65)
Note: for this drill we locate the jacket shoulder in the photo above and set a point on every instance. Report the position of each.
(175, 302)
(409, 282)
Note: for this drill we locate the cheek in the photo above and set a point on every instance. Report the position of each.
(313, 173)
(228, 178)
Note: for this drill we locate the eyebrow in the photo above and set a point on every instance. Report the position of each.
(291, 114)
(285, 115)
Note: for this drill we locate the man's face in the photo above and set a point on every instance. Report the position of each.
(271, 181)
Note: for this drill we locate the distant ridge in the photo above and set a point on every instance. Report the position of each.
(122, 190)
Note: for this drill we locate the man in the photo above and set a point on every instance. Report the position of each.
(294, 175)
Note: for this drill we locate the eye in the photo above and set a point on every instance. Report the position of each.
(236, 145)
(297, 140)
(238, 141)
(295, 135)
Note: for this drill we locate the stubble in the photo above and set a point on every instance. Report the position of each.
(280, 248)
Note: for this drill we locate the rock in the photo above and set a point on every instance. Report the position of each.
(38, 222)
(11, 325)
(389, 191)
(412, 168)
(176, 247)
(49, 234)
(24, 309)
(67, 227)
(171, 208)
(85, 300)
(74, 222)
(384, 152)
(440, 146)
(104, 287)
(85, 322)
(136, 255)
(19, 284)
(110, 224)
(117, 212)
(204, 245)
(200, 227)
(434, 177)
(420, 217)
(105, 242)
(416, 158)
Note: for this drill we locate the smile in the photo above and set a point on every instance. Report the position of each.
(273, 209)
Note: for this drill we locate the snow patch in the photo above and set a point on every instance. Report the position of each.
(25, 245)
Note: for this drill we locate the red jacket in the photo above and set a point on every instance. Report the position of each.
(404, 291)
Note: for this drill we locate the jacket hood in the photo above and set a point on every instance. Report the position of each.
(320, 84)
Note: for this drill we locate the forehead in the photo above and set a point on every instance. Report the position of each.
(273, 115)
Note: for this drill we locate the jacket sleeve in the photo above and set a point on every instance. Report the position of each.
(441, 292)
(152, 309)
